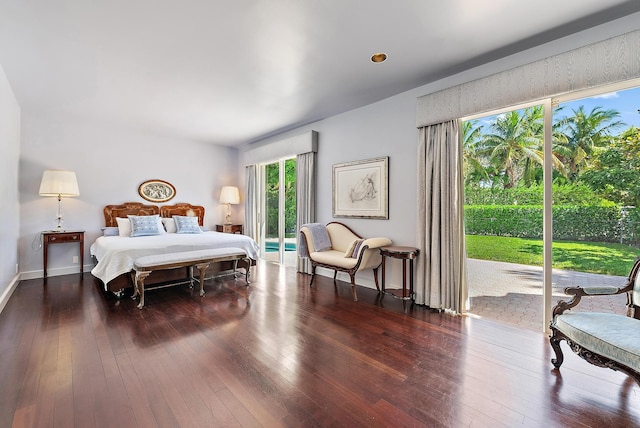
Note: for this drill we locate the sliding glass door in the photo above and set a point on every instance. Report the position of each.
(595, 225)
(551, 192)
(279, 212)
(503, 165)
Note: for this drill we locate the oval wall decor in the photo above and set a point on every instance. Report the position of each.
(157, 190)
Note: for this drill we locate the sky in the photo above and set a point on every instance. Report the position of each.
(626, 102)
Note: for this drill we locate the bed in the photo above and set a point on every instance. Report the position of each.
(116, 254)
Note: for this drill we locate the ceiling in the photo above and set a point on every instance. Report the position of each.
(233, 72)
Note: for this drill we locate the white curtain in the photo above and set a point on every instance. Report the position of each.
(441, 271)
(251, 202)
(305, 197)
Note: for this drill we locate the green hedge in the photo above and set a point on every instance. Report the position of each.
(577, 194)
(573, 223)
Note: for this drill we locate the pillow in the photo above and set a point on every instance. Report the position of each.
(356, 248)
(186, 224)
(124, 226)
(145, 225)
(169, 224)
(349, 252)
(110, 231)
(161, 226)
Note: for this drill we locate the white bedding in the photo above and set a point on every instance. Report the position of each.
(116, 254)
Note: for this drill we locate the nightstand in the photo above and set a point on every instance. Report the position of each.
(53, 237)
(229, 228)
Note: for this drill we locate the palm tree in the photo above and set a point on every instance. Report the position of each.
(473, 165)
(583, 132)
(514, 144)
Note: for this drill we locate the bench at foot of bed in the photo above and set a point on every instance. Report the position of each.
(201, 259)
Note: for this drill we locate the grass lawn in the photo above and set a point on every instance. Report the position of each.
(594, 257)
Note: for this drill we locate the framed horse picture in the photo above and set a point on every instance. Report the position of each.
(361, 189)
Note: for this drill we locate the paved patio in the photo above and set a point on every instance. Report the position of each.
(512, 293)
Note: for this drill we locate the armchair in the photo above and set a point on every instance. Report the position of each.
(602, 339)
(349, 253)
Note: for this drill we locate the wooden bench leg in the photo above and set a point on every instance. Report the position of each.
(139, 287)
(247, 270)
(235, 269)
(202, 267)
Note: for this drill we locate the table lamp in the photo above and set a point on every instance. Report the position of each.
(59, 184)
(229, 195)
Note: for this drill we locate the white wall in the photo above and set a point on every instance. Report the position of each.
(9, 208)
(110, 163)
(388, 128)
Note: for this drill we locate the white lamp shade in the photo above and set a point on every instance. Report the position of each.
(59, 183)
(229, 195)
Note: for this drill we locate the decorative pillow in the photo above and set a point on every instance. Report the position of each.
(349, 252)
(169, 224)
(356, 248)
(161, 226)
(145, 225)
(124, 226)
(186, 224)
(110, 231)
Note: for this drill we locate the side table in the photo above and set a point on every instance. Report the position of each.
(229, 228)
(404, 254)
(53, 237)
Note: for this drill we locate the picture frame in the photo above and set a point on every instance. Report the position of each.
(157, 191)
(361, 189)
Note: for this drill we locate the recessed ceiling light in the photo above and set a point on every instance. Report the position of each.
(379, 57)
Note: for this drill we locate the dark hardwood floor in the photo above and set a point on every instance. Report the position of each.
(281, 353)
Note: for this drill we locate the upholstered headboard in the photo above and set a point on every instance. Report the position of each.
(183, 209)
(125, 209)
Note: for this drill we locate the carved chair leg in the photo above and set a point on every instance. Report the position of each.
(335, 284)
(353, 287)
(375, 277)
(313, 274)
(555, 344)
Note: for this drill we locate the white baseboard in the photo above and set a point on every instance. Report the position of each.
(34, 274)
(9, 291)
